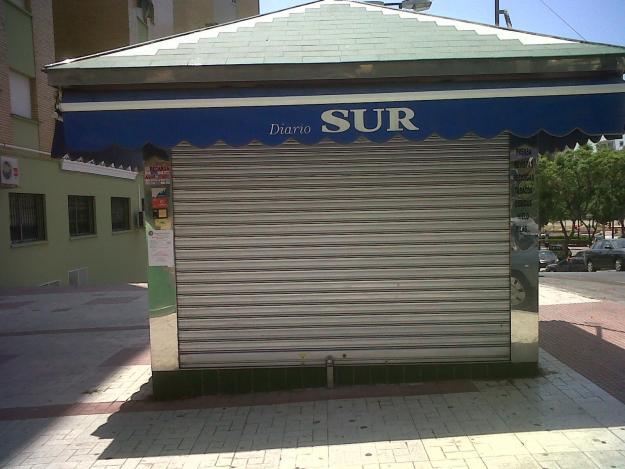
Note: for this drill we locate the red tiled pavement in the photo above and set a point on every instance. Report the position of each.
(238, 400)
(590, 338)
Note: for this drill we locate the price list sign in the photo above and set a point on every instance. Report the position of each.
(524, 228)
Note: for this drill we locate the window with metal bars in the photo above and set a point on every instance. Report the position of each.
(28, 217)
(120, 213)
(81, 210)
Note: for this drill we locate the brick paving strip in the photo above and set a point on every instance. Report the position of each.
(239, 400)
(14, 305)
(589, 338)
(74, 330)
(127, 287)
(111, 301)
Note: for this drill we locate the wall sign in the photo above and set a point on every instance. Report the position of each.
(158, 173)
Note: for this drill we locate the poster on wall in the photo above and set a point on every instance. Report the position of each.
(161, 248)
(158, 173)
(160, 197)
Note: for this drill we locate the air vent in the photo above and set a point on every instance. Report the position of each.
(78, 277)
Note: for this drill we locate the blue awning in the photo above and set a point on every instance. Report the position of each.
(93, 121)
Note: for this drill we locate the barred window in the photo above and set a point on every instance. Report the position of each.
(28, 218)
(120, 213)
(81, 210)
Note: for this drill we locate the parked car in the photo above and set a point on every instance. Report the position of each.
(577, 263)
(559, 250)
(606, 254)
(546, 257)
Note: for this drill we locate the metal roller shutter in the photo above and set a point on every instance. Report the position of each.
(367, 252)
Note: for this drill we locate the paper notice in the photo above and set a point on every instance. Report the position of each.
(161, 248)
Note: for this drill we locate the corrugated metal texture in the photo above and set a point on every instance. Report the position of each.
(370, 253)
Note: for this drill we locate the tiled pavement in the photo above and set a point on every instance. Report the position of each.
(558, 420)
(58, 347)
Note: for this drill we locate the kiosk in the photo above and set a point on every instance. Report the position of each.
(340, 192)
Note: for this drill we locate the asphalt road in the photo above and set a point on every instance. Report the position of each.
(603, 285)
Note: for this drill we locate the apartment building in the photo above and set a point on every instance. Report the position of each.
(72, 221)
(83, 27)
(194, 14)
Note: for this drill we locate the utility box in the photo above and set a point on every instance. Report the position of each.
(9, 172)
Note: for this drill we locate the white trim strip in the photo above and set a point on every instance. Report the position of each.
(267, 101)
(90, 168)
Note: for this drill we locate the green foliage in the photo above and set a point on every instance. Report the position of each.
(582, 184)
(609, 201)
(551, 207)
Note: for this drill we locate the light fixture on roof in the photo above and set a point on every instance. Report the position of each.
(415, 5)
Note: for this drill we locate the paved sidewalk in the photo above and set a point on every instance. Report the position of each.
(560, 420)
(62, 346)
(76, 393)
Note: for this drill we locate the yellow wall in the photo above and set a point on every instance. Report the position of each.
(110, 257)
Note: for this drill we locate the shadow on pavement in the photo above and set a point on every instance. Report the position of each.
(526, 407)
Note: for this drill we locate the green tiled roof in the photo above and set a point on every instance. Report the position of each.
(333, 31)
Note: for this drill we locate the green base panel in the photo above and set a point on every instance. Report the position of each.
(192, 383)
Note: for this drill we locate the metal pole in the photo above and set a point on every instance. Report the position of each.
(496, 12)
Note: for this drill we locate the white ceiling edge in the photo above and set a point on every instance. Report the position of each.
(90, 168)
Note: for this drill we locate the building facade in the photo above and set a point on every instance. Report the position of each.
(86, 27)
(83, 28)
(68, 222)
(61, 222)
(195, 14)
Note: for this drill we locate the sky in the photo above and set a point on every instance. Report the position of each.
(595, 20)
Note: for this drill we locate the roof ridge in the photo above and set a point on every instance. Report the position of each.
(300, 24)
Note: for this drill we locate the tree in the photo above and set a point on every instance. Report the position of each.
(582, 184)
(551, 204)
